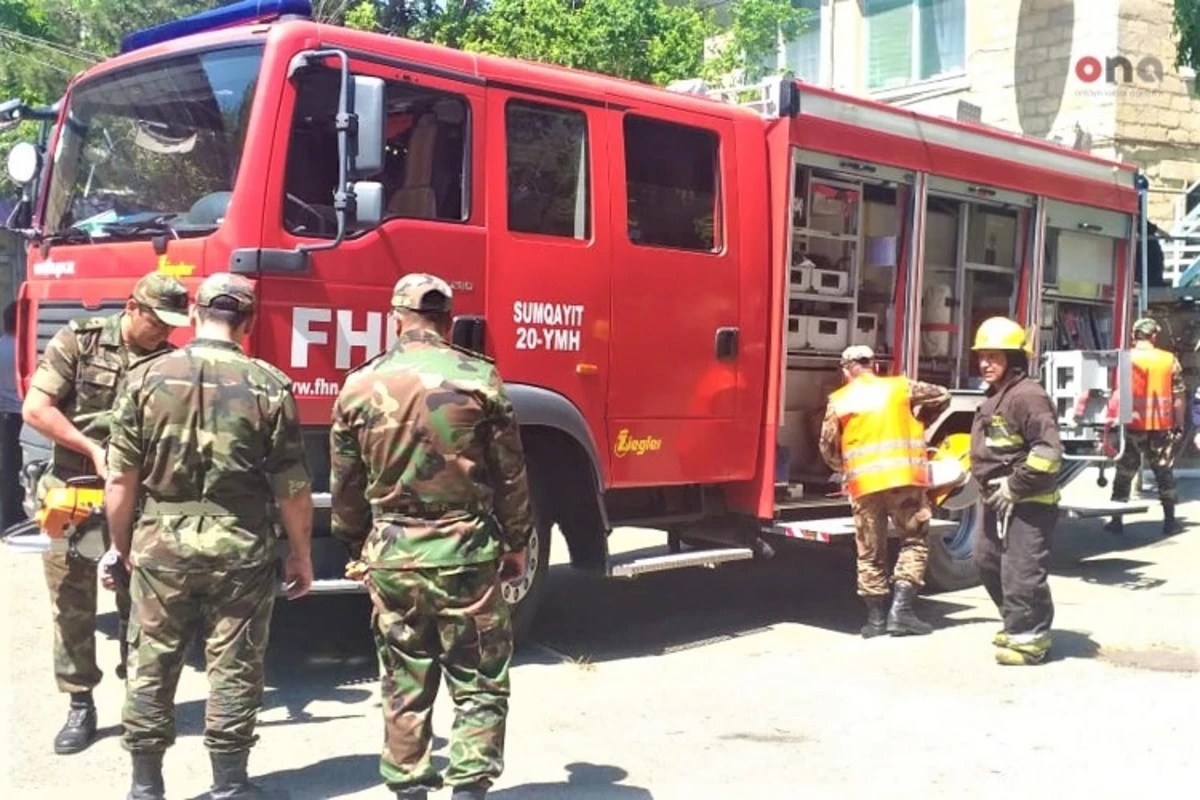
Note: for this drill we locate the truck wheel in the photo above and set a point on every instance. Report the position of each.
(525, 593)
(950, 565)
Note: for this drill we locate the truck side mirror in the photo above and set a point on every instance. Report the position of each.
(369, 96)
(368, 204)
(24, 161)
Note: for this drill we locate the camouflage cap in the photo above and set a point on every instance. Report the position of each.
(165, 296)
(419, 291)
(857, 352)
(236, 291)
(1146, 327)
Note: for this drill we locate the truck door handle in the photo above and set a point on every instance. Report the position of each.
(727, 343)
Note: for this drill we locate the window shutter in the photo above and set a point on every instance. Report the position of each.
(889, 43)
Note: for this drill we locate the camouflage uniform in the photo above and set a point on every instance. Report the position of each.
(80, 370)
(907, 506)
(1157, 447)
(214, 436)
(428, 488)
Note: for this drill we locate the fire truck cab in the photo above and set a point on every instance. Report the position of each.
(665, 279)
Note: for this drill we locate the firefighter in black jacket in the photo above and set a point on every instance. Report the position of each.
(1016, 454)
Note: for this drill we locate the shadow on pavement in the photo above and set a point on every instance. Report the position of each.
(584, 781)
(587, 617)
(331, 777)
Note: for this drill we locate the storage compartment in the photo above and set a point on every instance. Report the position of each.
(800, 278)
(866, 330)
(797, 333)
(830, 282)
(827, 333)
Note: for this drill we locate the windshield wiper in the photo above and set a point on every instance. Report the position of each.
(71, 235)
(156, 225)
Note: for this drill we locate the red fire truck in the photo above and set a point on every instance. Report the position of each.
(665, 280)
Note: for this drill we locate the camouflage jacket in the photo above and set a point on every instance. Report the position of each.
(81, 370)
(427, 468)
(215, 436)
(927, 401)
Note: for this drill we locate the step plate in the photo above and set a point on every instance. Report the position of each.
(1101, 508)
(697, 558)
(836, 529)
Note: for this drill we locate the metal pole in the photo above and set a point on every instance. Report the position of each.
(1143, 295)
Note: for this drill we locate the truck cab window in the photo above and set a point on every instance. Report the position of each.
(424, 169)
(672, 185)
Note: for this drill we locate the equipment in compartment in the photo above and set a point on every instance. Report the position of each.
(936, 315)
(827, 333)
(797, 333)
(866, 330)
(830, 282)
(1082, 385)
(800, 276)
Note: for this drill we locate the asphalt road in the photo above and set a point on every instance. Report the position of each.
(746, 681)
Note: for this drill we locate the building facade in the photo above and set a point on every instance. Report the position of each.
(1097, 75)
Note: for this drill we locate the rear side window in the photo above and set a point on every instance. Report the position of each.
(548, 190)
(671, 183)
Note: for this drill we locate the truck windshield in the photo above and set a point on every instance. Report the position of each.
(153, 148)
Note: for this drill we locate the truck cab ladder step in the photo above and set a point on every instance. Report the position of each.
(1101, 508)
(835, 529)
(695, 558)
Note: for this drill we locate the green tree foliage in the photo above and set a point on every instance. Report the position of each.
(1187, 29)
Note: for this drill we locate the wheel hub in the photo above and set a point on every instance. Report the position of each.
(514, 591)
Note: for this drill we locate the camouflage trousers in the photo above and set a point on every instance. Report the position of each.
(427, 621)
(1156, 447)
(908, 508)
(232, 609)
(73, 582)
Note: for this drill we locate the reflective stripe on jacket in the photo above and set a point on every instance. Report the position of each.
(1015, 435)
(1153, 401)
(883, 444)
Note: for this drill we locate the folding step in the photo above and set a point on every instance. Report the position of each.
(694, 558)
(834, 529)
(1101, 508)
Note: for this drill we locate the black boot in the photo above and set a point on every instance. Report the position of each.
(876, 616)
(80, 729)
(469, 792)
(902, 620)
(147, 777)
(230, 781)
(1171, 525)
(1116, 526)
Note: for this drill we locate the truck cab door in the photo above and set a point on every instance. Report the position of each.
(674, 374)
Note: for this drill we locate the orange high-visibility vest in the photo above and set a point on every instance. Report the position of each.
(883, 444)
(1153, 401)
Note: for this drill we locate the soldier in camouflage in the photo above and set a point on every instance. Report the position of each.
(429, 491)
(896, 493)
(1153, 435)
(70, 397)
(208, 438)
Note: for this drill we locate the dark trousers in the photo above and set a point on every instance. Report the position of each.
(1015, 571)
(11, 493)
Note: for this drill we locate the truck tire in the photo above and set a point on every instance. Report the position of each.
(524, 594)
(950, 565)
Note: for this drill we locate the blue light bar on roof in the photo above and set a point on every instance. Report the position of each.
(240, 13)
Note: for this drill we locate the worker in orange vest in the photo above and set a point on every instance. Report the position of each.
(872, 435)
(1156, 426)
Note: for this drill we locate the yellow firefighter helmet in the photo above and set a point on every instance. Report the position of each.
(1000, 333)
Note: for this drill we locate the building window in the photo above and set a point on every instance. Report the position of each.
(672, 186)
(547, 170)
(802, 55)
(914, 40)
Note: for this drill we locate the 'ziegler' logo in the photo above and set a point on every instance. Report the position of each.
(180, 270)
(639, 447)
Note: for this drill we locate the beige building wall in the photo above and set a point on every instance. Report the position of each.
(1020, 72)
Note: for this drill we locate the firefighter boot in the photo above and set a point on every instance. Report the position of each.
(1024, 651)
(469, 792)
(147, 777)
(80, 729)
(1001, 638)
(1116, 526)
(1171, 525)
(876, 616)
(902, 620)
(230, 781)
